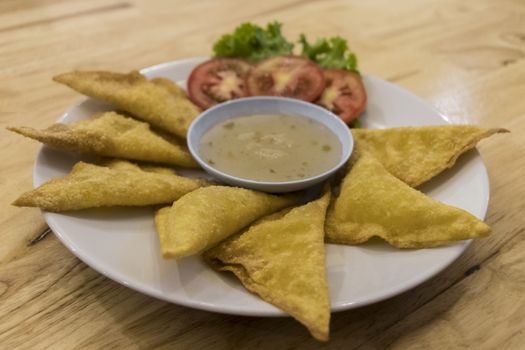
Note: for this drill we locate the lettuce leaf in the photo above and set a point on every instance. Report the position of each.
(253, 42)
(330, 53)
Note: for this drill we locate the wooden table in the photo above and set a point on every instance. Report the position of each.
(466, 58)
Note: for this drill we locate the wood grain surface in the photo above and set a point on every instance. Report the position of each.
(466, 58)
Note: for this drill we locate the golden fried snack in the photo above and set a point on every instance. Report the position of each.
(119, 183)
(373, 202)
(281, 258)
(160, 102)
(161, 222)
(168, 84)
(204, 217)
(110, 134)
(417, 154)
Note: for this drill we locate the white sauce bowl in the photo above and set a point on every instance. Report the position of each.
(268, 105)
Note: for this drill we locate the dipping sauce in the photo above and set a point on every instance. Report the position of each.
(271, 147)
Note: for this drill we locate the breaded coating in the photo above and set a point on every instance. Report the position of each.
(168, 84)
(110, 134)
(161, 223)
(159, 102)
(118, 183)
(282, 259)
(417, 154)
(203, 218)
(373, 202)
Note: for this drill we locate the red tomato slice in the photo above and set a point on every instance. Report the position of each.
(344, 94)
(218, 80)
(289, 76)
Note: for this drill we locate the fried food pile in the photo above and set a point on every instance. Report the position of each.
(274, 244)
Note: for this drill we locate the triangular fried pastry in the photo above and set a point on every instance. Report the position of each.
(159, 102)
(282, 259)
(203, 218)
(110, 134)
(372, 202)
(417, 154)
(119, 183)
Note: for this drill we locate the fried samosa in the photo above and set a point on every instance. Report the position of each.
(417, 154)
(119, 183)
(282, 259)
(372, 202)
(110, 134)
(159, 101)
(203, 218)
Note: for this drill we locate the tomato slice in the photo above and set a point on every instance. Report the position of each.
(218, 80)
(344, 94)
(289, 76)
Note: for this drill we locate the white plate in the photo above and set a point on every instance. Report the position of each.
(122, 243)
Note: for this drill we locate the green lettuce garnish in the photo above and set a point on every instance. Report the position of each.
(330, 53)
(253, 42)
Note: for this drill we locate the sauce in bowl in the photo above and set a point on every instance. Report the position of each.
(270, 147)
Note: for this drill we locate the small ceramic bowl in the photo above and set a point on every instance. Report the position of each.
(268, 105)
